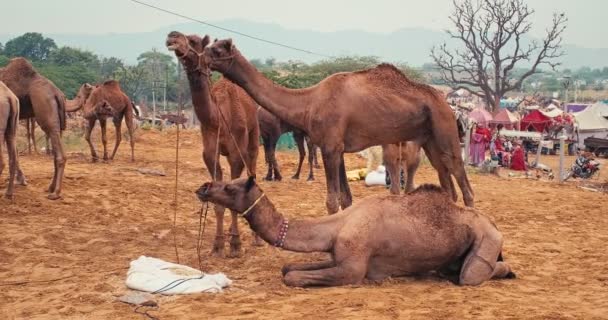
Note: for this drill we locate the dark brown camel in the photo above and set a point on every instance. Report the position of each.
(39, 98)
(350, 111)
(9, 121)
(271, 129)
(378, 237)
(99, 103)
(240, 114)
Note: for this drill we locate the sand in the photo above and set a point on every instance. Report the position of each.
(555, 240)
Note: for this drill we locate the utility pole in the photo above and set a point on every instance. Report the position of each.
(165, 88)
(153, 103)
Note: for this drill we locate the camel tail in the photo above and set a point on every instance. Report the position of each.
(61, 111)
(135, 109)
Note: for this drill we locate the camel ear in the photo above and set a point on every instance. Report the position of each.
(88, 86)
(250, 183)
(228, 44)
(206, 41)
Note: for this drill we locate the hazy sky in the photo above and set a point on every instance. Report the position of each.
(587, 18)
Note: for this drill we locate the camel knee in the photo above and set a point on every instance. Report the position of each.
(332, 204)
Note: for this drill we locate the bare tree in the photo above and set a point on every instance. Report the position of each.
(493, 34)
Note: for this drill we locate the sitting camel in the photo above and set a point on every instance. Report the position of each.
(99, 103)
(271, 129)
(9, 120)
(378, 237)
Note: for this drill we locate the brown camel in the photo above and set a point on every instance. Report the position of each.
(39, 98)
(350, 111)
(271, 129)
(99, 103)
(9, 120)
(379, 237)
(239, 112)
(405, 156)
(30, 126)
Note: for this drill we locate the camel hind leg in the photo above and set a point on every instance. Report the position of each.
(349, 271)
(299, 139)
(346, 197)
(104, 138)
(412, 158)
(391, 162)
(131, 130)
(482, 262)
(212, 162)
(434, 155)
(236, 168)
(118, 125)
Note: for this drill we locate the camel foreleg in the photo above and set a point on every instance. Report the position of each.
(481, 263)
(118, 125)
(87, 136)
(104, 138)
(299, 139)
(350, 271)
(307, 266)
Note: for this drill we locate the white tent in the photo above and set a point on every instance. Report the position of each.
(591, 123)
(552, 111)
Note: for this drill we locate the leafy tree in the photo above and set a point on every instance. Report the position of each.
(492, 34)
(1, 48)
(31, 45)
(110, 67)
(4, 60)
(66, 56)
(68, 78)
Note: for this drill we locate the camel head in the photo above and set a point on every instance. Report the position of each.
(188, 48)
(239, 194)
(104, 109)
(84, 92)
(220, 55)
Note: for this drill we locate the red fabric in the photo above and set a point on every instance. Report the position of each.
(536, 120)
(485, 132)
(498, 144)
(518, 160)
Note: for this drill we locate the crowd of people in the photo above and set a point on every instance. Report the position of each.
(508, 152)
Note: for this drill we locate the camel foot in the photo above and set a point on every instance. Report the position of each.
(296, 177)
(257, 241)
(235, 247)
(53, 196)
(9, 196)
(511, 275)
(94, 160)
(268, 178)
(21, 181)
(218, 247)
(311, 178)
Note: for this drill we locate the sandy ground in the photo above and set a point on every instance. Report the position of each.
(555, 236)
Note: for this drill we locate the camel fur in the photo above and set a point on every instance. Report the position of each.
(351, 111)
(238, 111)
(9, 121)
(39, 98)
(378, 237)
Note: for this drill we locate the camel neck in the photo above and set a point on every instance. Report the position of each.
(74, 104)
(289, 105)
(204, 106)
(301, 236)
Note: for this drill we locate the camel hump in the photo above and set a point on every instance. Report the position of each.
(21, 67)
(111, 83)
(428, 187)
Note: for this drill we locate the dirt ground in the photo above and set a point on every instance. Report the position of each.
(555, 240)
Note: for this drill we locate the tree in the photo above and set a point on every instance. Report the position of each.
(110, 67)
(493, 35)
(67, 56)
(1, 49)
(31, 45)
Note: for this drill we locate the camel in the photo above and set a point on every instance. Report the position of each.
(350, 111)
(99, 103)
(9, 121)
(271, 129)
(237, 136)
(39, 98)
(30, 127)
(378, 237)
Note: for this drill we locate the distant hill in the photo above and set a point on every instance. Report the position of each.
(411, 45)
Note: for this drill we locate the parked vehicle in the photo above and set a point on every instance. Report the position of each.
(584, 167)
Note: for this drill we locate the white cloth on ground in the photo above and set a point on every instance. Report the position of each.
(376, 177)
(158, 276)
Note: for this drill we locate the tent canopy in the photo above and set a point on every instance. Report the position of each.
(506, 118)
(536, 120)
(592, 119)
(552, 111)
(480, 116)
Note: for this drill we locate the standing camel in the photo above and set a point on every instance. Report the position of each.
(241, 122)
(379, 237)
(95, 100)
(9, 120)
(271, 129)
(39, 98)
(350, 111)
(404, 156)
(30, 125)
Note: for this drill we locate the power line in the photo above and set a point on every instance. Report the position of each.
(230, 30)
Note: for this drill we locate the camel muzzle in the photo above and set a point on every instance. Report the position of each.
(203, 191)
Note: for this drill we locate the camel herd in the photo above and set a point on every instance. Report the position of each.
(347, 112)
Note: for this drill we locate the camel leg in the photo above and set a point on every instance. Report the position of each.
(104, 138)
(299, 138)
(87, 136)
(349, 271)
(307, 266)
(312, 159)
(411, 165)
(445, 180)
(275, 164)
(59, 161)
(267, 160)
(346, 197)
(213, 166)
(48, 150)
(391, 162)
(118, 125)
(131, 130)
(2, 138)
(29, 135)
(12, 161)
(481, 262)
(331, 162)
(236, 168)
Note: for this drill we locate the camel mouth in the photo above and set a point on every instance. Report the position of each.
(203, 191)
(172, 47)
